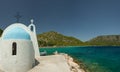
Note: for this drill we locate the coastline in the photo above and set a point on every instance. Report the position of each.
(59, 46)
(79, 46)
(92, 57)
(74, 64)
(68, 63)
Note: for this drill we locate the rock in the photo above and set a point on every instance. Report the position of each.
(74, 67)
(73, 64)
(55, 53)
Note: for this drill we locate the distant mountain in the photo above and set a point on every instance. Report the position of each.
(56, 39)
(105, 40)
(53, 38)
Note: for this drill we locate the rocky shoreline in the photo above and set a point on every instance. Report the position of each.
(73, 66)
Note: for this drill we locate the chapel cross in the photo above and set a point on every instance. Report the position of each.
(18, 16)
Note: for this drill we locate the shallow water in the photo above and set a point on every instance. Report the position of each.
(95, 58)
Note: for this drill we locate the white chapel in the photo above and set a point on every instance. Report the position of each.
(18, 48)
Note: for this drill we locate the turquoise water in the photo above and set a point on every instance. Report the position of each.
(96, 59)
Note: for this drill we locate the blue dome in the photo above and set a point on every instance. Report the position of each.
(16, 33)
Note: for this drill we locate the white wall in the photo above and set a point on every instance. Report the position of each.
(35, 44)
(21, 62)
(34, 39)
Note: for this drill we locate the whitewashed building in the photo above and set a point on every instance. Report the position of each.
(18, 48)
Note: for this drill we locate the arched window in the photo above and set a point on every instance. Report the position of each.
(14, 48)
(31, 28)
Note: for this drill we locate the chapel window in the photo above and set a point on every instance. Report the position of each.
(31, 28)
(14, 48)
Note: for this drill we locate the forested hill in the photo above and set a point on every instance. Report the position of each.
(105, 40)
(1, 32)
(53, 38)
(56, 39)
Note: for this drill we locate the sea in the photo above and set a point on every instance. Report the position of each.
(94, 58)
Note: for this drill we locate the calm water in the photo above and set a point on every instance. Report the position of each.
(96, 59)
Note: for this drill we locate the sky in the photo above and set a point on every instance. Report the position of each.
(83, 19)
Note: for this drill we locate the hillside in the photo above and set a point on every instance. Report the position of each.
(56, 39)
(1, 32)
(105, 40)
